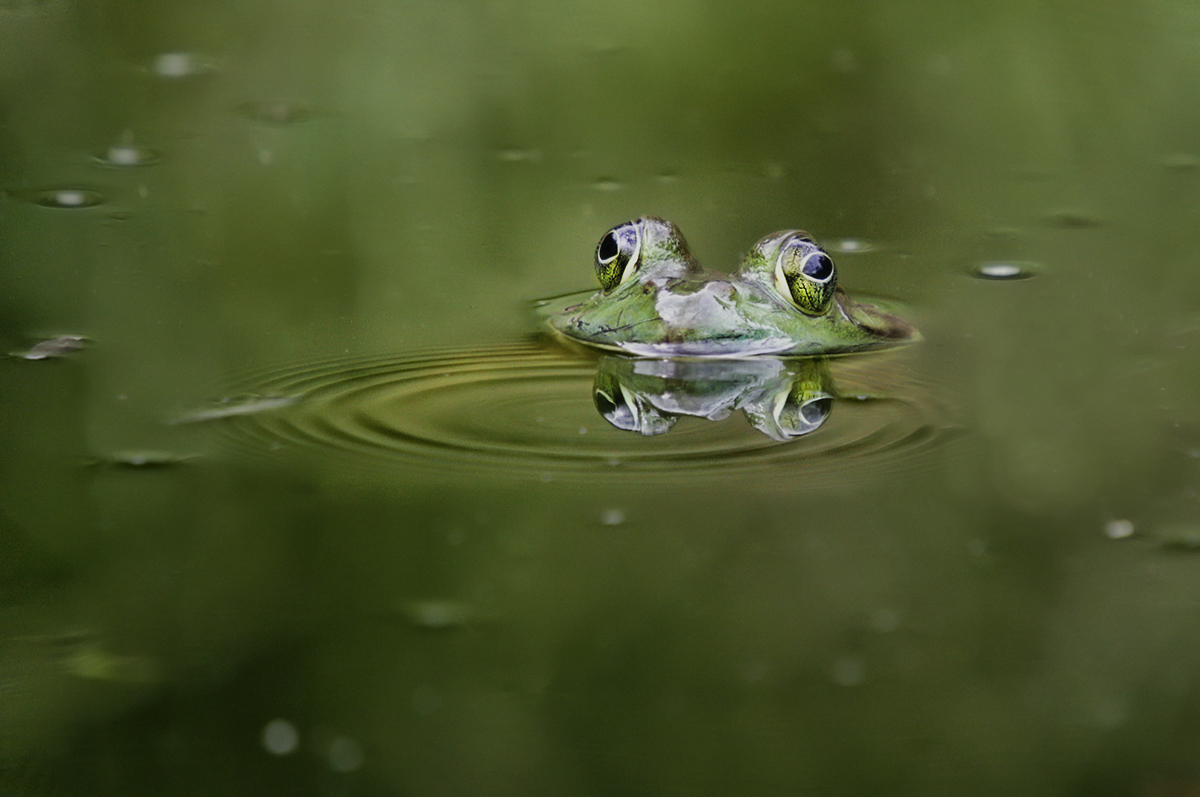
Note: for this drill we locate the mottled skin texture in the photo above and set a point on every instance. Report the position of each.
(668, 305)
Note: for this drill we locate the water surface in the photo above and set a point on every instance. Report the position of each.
(313, 508)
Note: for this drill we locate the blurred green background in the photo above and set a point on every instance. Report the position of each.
(378, 176)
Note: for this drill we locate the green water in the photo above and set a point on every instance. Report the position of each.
(431, 567)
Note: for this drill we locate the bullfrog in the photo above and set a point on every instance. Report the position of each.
(656, 301)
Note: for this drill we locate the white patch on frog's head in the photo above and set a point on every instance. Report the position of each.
(708, 308)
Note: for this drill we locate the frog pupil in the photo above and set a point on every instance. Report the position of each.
(816, 411)
(608, 248)
(818, 267)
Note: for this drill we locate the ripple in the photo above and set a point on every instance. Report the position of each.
(176, 65)
(1005, 270)
(525, 410)
(127, 154)
(853, 245)
(67, 198)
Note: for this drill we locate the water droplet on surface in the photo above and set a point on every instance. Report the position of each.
(848, 671)
(143, 459)
(68, 198)
(438, 614)
(345, 754)
(775, 171)
(51, 348)
(612, 517)
(280, 737)
(1000, 270)
(1118, 529)
(126, 155)
(238, 406)
(519, 155)
(853, 245)
(178, 65)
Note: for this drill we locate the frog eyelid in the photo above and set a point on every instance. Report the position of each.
(634, 257)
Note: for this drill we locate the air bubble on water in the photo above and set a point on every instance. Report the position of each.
(178, 65)
(438, 614)
(68, 198)
(848, 671)
(280, 737)
(853, 246)
(843, 60)
(519, 155)
(775, 171)
(1004, 270)
(1118, 529)
(612, 517)
(50, 348)
(345, 754)
(885, 621)
(125, 153)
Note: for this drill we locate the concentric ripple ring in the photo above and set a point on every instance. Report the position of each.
(526, 410)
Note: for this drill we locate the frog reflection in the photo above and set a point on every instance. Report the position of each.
(783, 399)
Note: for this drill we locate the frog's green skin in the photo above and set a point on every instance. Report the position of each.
(659, 302)
(783, 399)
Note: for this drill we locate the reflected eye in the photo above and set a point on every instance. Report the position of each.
(803, 414)
(806, 275)
(617, 255)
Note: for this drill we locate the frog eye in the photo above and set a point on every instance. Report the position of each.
(799, 416)
(806, 275)
(617, 255)
(622, 408)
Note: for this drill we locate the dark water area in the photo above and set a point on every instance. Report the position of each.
(297, 495)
